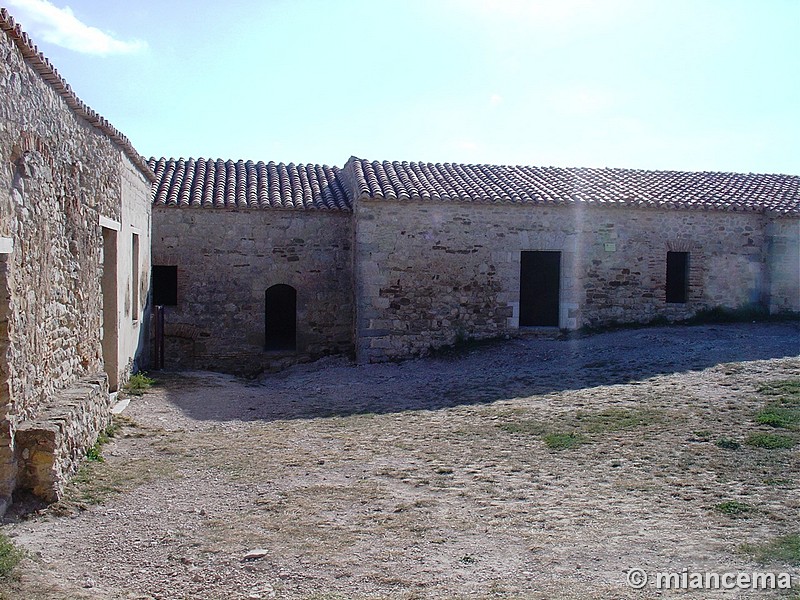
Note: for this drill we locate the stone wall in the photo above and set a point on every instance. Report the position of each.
(430, 273)
(783, 252)
(60, 176)
(225, 262)
(51, 446)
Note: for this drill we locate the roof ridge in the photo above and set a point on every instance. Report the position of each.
(42, 65)
(154, 159)
(577, 168)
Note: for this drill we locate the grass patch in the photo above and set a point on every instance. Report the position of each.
(96, 479)
(783, 549)
(779, 481)
(95, 482)
(783, 407)
(734, 508)
(138, 384)
(615, 419)
(777, 416)
(10, 556)
(770, 441)
(93, 453)
(90, 485)
(563, 441)
(789, 388)
(582, 424)
(728, 443)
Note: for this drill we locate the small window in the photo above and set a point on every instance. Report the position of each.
(677, 277)
(165, 285)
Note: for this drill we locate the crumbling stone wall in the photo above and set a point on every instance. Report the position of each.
(227, 259)
(59, 175)
(429, 273)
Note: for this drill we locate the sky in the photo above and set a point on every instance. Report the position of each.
(649, 84)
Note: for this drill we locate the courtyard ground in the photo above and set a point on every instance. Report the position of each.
(534, 469)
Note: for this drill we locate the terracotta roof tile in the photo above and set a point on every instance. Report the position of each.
(244, 184)
(553, 185)
(40, 63)
(229, 184)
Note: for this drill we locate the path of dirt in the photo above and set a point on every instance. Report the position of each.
(430, 478)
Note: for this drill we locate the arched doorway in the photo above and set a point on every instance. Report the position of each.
(280, 318)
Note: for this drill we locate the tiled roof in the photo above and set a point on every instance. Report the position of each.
(552, 185)
(41, 64)
(247, 184)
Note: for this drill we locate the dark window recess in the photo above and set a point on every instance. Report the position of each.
(165, 285)
(539, 283)
(677, 277)
(280, 318)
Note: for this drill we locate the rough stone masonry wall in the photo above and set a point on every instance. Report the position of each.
(226, 261)
(430, 273)
(58, 175)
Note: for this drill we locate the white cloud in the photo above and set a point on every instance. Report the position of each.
(61, 27)
(495, 99)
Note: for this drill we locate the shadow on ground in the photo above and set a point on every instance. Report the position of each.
(502, 370)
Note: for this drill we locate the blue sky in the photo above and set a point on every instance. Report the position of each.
(668, 84)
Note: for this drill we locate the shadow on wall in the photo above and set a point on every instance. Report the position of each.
(498, 371)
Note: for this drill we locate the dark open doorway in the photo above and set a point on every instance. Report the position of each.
(280, 318)
(677, 277)
(539, 283)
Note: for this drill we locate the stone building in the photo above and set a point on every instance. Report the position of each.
(262, 265)
(391, 259)
(74, 269)
(237, 242)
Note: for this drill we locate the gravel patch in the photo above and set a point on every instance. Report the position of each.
(523, 469)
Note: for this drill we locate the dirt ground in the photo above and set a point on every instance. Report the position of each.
(432, 478)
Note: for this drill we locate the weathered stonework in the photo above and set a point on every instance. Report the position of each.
(62, 177)
(398, 278)
(227, 259)
(429, 273)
